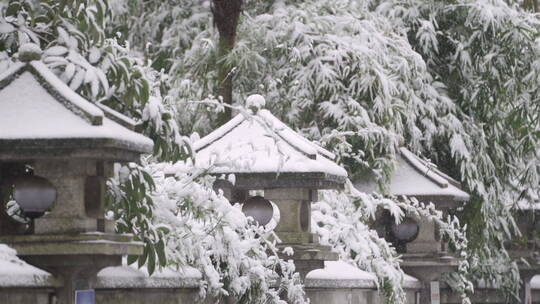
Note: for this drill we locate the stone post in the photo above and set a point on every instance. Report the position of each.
(426, 275)
(295, 207)
(294, 228)
(525, 294)
(426, 241)
(75, 272)
(68, 214)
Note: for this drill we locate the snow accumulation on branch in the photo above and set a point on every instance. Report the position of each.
(205, 232)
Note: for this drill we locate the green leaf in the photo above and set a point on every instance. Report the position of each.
(160, 250)
(13, 9)
(144, 256)
(151, 261)
(132, 259)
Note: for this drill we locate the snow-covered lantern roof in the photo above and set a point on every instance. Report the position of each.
(43, 118)
(424, 253)
(416, 177)
(262, 153)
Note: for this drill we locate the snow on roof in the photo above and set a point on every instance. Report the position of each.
(414, 176)
(130, 277)
(37, 105)
(14, 272)
(262, 144)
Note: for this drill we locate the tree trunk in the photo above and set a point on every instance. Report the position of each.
(533, 5)
(226, 14)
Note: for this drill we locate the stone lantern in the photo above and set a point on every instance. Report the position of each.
(423, 251)
(56, 152)
(528, 247)
(264, 154)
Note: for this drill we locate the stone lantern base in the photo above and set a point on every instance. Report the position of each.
(309, 256)
(75, 259)
(428, 267)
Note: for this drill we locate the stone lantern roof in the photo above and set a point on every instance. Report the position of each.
(43, 118)
(416, 177)
(263, 152)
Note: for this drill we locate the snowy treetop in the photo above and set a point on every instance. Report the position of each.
(262, 143)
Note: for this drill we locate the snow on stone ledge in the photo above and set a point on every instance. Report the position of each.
(15, 272)
(131, 277)
(339, 274)
(535, 282)
(411, 282)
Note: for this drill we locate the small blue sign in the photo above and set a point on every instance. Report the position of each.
(85, 296)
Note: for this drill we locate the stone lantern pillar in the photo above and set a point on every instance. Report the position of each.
(424, 254)
(266, 155)
(52, 139)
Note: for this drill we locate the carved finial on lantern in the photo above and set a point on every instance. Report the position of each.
(29, 52)
(255, 102)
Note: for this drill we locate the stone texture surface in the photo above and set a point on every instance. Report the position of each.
(25, 296)
(190, 296)
(68, 214)
(295, 207)
(426, 240)
(145, 296)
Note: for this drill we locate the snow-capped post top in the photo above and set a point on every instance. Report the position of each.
(29, 52)
(255, 102)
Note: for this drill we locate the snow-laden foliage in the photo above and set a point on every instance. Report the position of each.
(203, 230)
(340, 219)
(341, 74)
(486, 53)
(340, 224)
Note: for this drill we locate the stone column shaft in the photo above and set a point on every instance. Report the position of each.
(295, 208)
(68, 214)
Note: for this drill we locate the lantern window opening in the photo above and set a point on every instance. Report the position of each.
(263, 211)
(9, 172)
